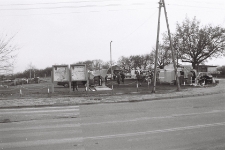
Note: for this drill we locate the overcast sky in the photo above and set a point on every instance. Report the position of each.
(51, 32)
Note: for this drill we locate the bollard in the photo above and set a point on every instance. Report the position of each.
(112, 89)
(20, 92)
(48, 92)
(137, 86)
(86, 90)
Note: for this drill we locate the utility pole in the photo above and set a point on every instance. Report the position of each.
(171, 47)
(157, 47)
(111, 61)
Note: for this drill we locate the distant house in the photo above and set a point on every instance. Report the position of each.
(115, 69)
(207, 68)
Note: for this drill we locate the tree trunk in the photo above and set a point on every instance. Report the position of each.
(193, 65)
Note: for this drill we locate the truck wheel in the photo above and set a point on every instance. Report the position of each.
(66, 85)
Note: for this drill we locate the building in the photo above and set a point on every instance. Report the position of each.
(207, 68)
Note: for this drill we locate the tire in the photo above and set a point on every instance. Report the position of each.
(66, 85)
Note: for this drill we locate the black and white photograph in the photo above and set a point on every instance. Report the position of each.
(112, 75)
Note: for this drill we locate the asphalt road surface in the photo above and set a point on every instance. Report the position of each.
(46, 128)
(196, 123)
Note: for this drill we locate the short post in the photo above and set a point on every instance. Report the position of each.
(86, 89)
(20, 92)
(112, 89)
(48, 91)
(52, 88)
(52, 78)
(137, 86)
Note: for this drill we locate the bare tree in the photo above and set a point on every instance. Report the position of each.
(31, 69)
(7, 54)
(198, 44)
(88, 64)
(125, 63)
(97, 64)
(147, 61)
(164, 55)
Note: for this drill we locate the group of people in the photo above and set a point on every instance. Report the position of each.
(143, 76)
(120, 76)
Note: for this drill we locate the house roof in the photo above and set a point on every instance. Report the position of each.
(206, 66)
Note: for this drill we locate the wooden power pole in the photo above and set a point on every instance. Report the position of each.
(157, 47)
(171, 48)
(162, 4)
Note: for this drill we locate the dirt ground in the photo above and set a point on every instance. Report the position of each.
(44, 89)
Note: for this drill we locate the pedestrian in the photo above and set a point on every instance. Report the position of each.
(114, 76)
(141, 78)
(137, 76)
(149, 77)
(106, 78)
(118, 78)
(190, 75)
(122, 77)
(75, 85)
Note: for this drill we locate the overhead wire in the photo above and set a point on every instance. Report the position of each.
(140, 25)
(82, 6)
(195, 6)
(68, 2)
(203, 1)
(52, 3)
(78, 7)
(79, 12)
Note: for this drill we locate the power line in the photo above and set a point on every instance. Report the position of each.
(110, 5)
(80, 12)
(195, 6)
(71, 2)
(140, 25)
(60, 7)
(68, 2)
(203, 1)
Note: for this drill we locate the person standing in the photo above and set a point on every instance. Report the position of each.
(137, 76)
(75, 85)
(106, 78)
(190, 75)
(122, 77)
(141, 78)
(118, 78)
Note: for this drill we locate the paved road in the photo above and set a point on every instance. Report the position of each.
(186, 123)
(47, 128)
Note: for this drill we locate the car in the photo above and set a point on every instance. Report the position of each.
(128, 75)
(108, 76)
(66, 83)
(205, 77)
(79, 83)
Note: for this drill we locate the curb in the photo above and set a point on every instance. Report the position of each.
(100, 101)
